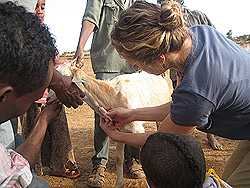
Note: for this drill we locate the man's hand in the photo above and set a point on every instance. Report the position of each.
(66, 91)
(79, 56)
(120, 116)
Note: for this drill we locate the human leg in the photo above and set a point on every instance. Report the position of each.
(237, 170)
(57, 151)
(132, 163)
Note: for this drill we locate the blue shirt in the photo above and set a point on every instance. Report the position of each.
(215, 91)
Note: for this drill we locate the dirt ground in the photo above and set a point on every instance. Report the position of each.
(81, 123)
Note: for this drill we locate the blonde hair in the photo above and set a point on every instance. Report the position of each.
(145, 30)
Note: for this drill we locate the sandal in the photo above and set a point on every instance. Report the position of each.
(97, 177)
(71, 171)
(134, 169)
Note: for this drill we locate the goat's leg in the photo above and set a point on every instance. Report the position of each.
(213, 142)
(119, 165)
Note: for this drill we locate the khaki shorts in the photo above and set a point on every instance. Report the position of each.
(237, 170)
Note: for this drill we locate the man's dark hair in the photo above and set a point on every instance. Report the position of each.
(173, 161)
(26, 48)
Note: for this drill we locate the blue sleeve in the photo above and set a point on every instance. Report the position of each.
(190, 109)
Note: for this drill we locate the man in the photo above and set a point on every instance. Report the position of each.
(100, 17)
(27, 52)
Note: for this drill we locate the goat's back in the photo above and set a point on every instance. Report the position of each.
(143, 89)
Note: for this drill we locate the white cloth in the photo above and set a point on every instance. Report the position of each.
(7, 135)
(14, 169)
(211, 182)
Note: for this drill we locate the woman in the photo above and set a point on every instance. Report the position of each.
(213, 93)
(57, 152)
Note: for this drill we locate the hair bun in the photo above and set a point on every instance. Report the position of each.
(171, 16)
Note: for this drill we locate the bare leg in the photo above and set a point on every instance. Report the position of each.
(57, 152)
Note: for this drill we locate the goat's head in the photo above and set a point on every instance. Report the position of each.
(70, 69)
(89, 85)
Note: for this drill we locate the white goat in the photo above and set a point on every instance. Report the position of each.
(130, 90)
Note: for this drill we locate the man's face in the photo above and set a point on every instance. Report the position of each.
(13, 105)
(40, 10)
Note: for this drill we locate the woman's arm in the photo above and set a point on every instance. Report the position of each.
(139, 139)
(157, 113)
(122, 116)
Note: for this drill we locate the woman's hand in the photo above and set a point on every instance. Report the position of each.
(120, 116)
(109, 128)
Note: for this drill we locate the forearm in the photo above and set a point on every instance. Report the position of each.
(134, 139)
(139, 139)
(56, 79)
(167, 125)
(31, 147)
(157, 113)
(86, 30)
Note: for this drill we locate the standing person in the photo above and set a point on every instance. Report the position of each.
(57, 153)
(100, 17)
(213, 94)
(24, 59)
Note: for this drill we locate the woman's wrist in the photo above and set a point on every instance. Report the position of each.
(133, 113)
(119, 136)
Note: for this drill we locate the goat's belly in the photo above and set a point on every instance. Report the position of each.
(134, 127)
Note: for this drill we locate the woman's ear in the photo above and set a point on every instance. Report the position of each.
(5, 92)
